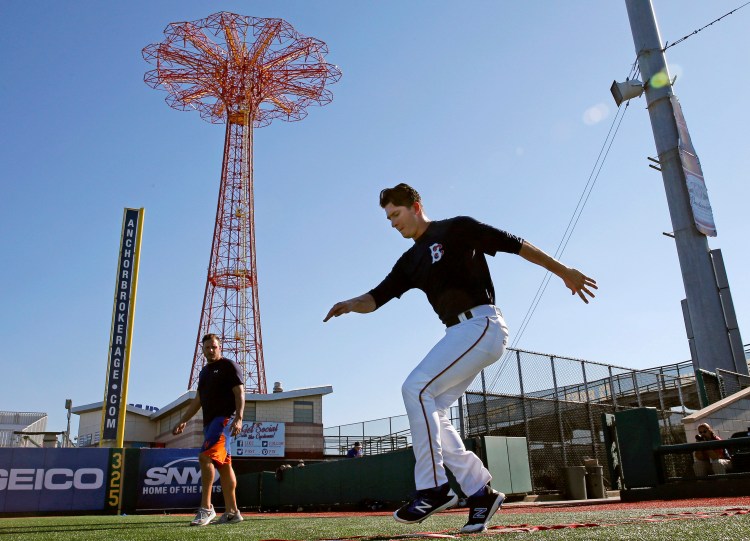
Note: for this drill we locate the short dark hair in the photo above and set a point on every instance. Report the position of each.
(401, 195)
(210, 336)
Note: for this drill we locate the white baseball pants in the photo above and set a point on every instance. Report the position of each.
(435, 384)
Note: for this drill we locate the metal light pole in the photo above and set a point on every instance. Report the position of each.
(68, 406)
(709, 315)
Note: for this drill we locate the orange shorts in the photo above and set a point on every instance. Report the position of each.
(216, 441)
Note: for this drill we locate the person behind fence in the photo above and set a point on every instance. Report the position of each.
(355, 451)
(447, 262)
(710, 461)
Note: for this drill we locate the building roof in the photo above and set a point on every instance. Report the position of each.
(189, 395)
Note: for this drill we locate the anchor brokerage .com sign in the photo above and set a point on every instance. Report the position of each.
(260, 440)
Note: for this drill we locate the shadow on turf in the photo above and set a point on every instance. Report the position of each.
(57, 528)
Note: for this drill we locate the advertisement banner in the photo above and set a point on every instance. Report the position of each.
(34, 480)
(171, 479)
(259, 440)
(703, 215)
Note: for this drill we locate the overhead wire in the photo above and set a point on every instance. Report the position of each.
(691, 34)
(586, 193)
(583, 199)
(573, 222)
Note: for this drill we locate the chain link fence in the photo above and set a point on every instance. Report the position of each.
(714, 386)
(556, 403)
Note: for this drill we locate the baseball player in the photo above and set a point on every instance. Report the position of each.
(447, 262)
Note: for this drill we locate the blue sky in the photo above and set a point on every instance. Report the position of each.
(492, 109)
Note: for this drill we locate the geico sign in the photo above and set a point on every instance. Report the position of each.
(51, 479)
(176, 471)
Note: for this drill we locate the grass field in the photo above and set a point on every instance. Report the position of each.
(606, 522)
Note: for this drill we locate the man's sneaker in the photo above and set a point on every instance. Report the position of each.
(230, 518)
(427, 502)
(203, 517)
(481, 509)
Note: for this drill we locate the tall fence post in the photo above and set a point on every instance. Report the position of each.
(461, 425)
(636, 389)
(525, 419)
(612, 388)
(679, 392)
(559, 413)
(592, 427)
(484, 402)
(665, 415)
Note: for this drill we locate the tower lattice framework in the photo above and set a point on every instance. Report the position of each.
(245, 72)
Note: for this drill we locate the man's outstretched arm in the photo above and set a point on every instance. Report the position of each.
(574, 279)
(364, 304)
(193, 406)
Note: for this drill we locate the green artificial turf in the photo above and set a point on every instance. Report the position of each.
(628, 524)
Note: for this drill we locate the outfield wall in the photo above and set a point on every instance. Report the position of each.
(102, 480)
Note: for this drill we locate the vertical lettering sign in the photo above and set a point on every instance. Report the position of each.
(115, 394)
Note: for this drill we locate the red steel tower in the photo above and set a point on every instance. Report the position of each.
(242, 71)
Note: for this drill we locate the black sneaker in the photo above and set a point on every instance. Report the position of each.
(481, 509)
(427, 502)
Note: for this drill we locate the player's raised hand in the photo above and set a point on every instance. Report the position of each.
(579, 283)
(178, 428)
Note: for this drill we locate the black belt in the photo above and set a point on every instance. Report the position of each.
(455, 321)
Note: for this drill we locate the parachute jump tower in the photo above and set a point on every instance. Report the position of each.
(244, 72)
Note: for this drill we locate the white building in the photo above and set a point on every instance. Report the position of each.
(301, 411)
(18, 421)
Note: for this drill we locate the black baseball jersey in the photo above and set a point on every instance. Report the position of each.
(447, 262)
(215, 383)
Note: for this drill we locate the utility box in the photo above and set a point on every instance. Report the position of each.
(639, 437)
(508, 461)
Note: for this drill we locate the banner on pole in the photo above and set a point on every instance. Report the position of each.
(702, 214)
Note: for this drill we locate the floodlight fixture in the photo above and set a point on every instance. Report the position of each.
(626, 91)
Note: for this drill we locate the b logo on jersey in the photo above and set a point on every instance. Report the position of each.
(436, 251)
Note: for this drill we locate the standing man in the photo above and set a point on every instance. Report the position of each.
(447, 262)
(221, 394)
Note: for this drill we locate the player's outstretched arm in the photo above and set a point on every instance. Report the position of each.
(239, 407)
(193, 407)
(575, 280)
(364, 304)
